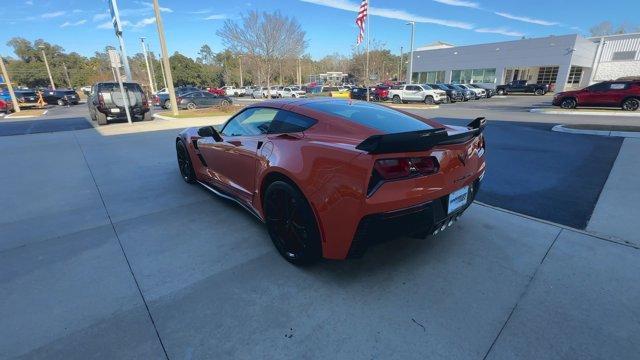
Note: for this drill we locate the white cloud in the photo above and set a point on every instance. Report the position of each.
(52, 14)
(469, 4)
(102, 16)
(216, 17)
(390, 13)
(150, 5)
(77, 23)
(200, 12)
(526, 19)
(105, 25)
(144, 22)
(29, 2)
(501, 31)
(76, 11)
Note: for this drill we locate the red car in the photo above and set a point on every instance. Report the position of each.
(6, 106)
(329, 177)
(623, 94)
(217, 91)
(381, 93)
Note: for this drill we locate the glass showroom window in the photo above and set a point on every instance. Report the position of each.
(473, 76)
(547, 75)
(433, 77)
(575, 74)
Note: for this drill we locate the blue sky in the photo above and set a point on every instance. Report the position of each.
(82, 25)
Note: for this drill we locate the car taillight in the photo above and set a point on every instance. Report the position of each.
(404, 167)
(100, 101)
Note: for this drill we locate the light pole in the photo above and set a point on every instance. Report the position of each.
(146, 60)
(152, 66)
(413, 30)
(240, 63)
(46, 63)
(165, 59)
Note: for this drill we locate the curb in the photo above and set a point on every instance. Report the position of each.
(584, 112)
(626, 134)
(418, 107)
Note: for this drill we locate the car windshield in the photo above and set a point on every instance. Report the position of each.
(374, 116)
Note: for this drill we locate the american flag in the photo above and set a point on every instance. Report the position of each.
(361, 18)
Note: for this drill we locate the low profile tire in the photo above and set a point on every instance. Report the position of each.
(167, 104)
(429, 100)
(291, 224)
(191, 106)
(396, 99)
(631, 105)
(60, 102)
(539, 92)
(568, 103)
(101, 118)
(184, 163)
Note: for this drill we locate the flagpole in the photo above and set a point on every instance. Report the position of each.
(366, 68)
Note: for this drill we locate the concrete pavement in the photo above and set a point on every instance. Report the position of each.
(106, 253)
(616, 213)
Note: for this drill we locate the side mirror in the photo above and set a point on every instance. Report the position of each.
(209, 131)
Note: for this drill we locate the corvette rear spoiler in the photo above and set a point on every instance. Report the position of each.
(419, 140)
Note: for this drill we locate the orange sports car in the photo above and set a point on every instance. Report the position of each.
(330, 177)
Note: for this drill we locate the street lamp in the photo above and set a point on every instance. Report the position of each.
(240, 63)
(146, 60)
(413, 30)
(46, 63)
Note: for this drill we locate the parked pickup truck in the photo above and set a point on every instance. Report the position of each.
(423, 93)
(231, 90)
(521, 86)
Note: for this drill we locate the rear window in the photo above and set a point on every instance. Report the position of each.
(109, 87)
(374, 116)
(289, 122)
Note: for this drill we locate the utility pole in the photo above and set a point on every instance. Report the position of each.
(400, 65)
(117, 25)
(165, 59)
(46, 63)
(66, 75)
(240, 63)
(5, 75)
(152, 66)
(413, 30)
(146, 61)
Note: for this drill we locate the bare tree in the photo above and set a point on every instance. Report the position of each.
(267, 37)
(606, 28)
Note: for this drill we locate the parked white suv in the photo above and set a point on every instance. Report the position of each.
(231, 90)
(291, 92)
(423, 93)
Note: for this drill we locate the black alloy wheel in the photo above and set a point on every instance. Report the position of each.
(631, 105)
(291, 224)
(568, 103)
(184, 163)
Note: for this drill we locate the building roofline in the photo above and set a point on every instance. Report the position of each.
(503, 42)
(613, 35)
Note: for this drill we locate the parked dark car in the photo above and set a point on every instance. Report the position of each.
(521, 86)
(106, 102)
(466, 93)
(489, 91)
(453, 94)
(359, 93)
(162, 99)
(201, 99)
(26, 98)
(61, 97)
(623, 94)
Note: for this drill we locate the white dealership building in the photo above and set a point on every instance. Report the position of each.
(564, 62)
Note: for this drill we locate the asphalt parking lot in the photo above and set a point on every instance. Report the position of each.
(106, 253)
